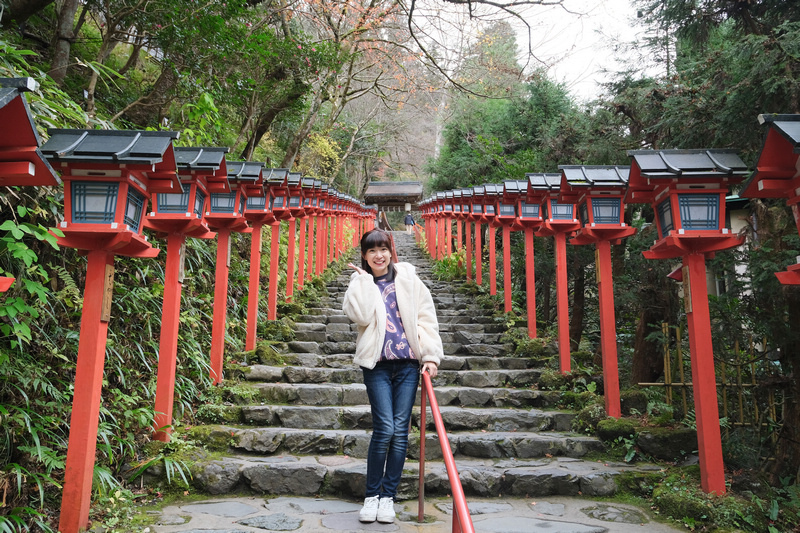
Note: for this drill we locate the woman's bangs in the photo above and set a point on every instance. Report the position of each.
(375, 239)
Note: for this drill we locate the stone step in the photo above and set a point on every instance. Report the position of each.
(355, 443)
(456, 418)
(472, 378)
(344, 476)
(355, 394)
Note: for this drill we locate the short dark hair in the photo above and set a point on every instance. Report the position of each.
(376, 238)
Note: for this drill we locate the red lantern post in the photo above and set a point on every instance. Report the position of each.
(108, 177)
(530, 218)
(466, 216)
(687, 190)
(21, 161)
(258, 212)
(777, 175)
(508, 218)
(559, 221)
(598, 192)
(226, 215)
(175, 216)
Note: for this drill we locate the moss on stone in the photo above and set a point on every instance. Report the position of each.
(634, 401)
(611, 429)
(587, 418)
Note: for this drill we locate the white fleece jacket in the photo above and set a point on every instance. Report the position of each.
(364, 305)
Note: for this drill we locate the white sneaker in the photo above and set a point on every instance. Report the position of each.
(369, 512)
(386, 511)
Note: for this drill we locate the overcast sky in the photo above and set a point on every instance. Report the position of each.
(574, 43)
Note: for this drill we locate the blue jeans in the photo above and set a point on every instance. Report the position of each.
(392, 389)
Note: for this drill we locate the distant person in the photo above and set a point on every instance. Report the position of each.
(409, 222)
(398, 339)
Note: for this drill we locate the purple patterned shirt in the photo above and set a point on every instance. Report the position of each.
(395, 345)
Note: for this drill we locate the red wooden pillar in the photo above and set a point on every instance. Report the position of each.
(254, 286)
(310, 253)
(449, 236)
(85, 416)
(608, 329)
(478, 258)
(704, 383)
(331, 241)
(492, 246)
(459, 239)
(562, 301)
(507, 266)
(168, 341)
(431, 235)
(530, 283)
(220, 304)
(291, 258)
(340, 237)
(468, 235)
(301, 258)
(274, 265)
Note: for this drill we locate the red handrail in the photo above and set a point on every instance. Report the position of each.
(462, 521)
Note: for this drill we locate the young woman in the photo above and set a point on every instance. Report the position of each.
(398, 338)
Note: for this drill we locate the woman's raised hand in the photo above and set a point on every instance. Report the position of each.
(357, 269)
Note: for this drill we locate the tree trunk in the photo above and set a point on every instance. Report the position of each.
(149, 110)
(265, 120)
(302, 133)
(578, 305)
(648, 355)
(64, 36)
(787, 460)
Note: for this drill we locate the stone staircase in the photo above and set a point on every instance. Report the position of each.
(305, 429)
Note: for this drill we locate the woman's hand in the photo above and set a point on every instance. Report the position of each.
(430, 368)
(357, 269)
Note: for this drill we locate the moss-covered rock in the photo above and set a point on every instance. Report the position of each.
(552, 380)
(266, 354)
(277, 330)
(640, 484)
(587, 418)
(668, 444)
(611, 429)
(214, 437)
(633, 401)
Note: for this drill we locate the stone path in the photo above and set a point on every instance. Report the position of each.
(301, 428)
(557, 514)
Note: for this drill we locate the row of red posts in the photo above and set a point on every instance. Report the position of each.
(687, 190)
(108, 178)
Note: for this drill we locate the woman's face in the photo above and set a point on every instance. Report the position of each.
(378, 259)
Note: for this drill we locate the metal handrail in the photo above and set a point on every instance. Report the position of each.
(462, 521)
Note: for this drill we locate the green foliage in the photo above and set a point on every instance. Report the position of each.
(451, 267)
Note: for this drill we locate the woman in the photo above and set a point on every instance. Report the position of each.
(397, 332)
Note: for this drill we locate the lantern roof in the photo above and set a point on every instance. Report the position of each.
(149, 153)
(317, 184)
(456, 193)
(594, 176)
(307, 183)
(246, 172)
(541, 185)
(515, 187)
(577, 180)
(277, 176)
(197, 158)
(658, 169)
(494, 189)
(777, 170)
(21, 160)
(293, 179)
(206, 162)
(466, 193)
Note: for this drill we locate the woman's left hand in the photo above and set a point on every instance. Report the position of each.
(430, 368)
